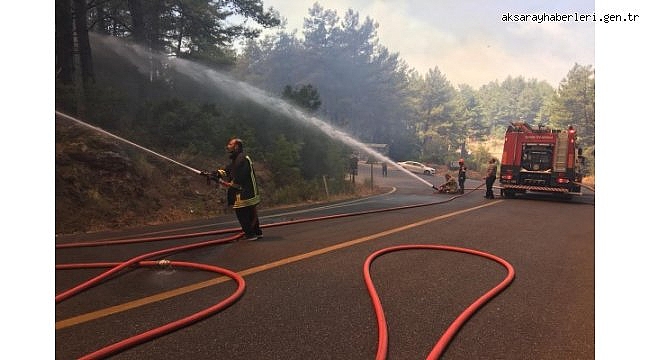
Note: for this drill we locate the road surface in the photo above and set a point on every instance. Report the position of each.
(305, 296)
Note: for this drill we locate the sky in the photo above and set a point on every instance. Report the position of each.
(468, 40)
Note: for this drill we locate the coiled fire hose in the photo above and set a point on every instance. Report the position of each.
(445, 339)
(174, 325)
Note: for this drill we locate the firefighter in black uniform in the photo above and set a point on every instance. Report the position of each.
(462, 173)
(242, 192)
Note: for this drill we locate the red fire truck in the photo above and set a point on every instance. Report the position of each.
(540, 160)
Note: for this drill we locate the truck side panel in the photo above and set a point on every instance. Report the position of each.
(510, 153)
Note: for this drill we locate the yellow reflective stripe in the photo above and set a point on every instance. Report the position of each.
(239, 203)
(250, 162)
(248, 202)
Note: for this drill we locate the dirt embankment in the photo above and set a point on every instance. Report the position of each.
(101, 184)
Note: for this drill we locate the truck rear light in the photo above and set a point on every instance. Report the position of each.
(507, 175)
(562, 180)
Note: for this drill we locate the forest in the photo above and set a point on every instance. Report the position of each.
(336, 70)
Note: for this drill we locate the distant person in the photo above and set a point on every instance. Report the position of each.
(450, 186)
(354, 166)
(490, 178)
(462, 174)
(384, 169)
(242, 194)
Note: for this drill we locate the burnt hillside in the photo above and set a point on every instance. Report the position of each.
(101, 183)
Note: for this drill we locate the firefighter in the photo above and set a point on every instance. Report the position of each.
(450, 186)
(243, 194)
(462, 173)
(490, 177)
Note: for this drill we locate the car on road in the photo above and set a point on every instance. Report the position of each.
(416, 167)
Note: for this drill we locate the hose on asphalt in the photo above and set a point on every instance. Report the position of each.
(445, 339)
(174, 325)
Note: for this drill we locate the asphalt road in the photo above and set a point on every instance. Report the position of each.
(305, 295)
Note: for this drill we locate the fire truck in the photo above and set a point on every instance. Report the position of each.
(540, 160)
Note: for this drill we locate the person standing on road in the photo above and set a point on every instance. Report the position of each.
(384, 169)
(462, 173)
(490, 178)
(242, 192)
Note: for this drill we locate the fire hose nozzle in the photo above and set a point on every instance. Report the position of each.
(216, 175)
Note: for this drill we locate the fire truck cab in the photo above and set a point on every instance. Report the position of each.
(540, 160)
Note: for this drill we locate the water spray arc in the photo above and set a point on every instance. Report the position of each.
(200, 73)
(209, 77)
(125, 141)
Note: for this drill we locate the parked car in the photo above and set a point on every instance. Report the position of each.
(416, 167)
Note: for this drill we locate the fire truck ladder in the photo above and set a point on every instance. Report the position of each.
(561, 147)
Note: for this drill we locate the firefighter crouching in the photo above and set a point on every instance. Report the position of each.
(449, 187)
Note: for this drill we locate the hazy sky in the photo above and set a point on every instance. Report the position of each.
(468, 40)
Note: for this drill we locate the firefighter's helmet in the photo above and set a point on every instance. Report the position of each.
(461, 161)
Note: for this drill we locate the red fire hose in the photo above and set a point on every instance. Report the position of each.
(382, 348)
(174, 325)
(120, 266)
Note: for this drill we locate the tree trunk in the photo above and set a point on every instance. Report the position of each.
(64, 42)
(83, 42)
(137, 21)
(101, 27)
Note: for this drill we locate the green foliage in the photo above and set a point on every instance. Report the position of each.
(435, 148)
(437, 95)
(297, 191)
(589, 152)
(514, 99)
(284, 158)
(175, 125)
(305, 97)
(300, 190)
(574, 103)
(201, 30)
(479, 159)
(66, 98)
(108, 106)
(322, 156)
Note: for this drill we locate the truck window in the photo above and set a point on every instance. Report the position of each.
(537, 157)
